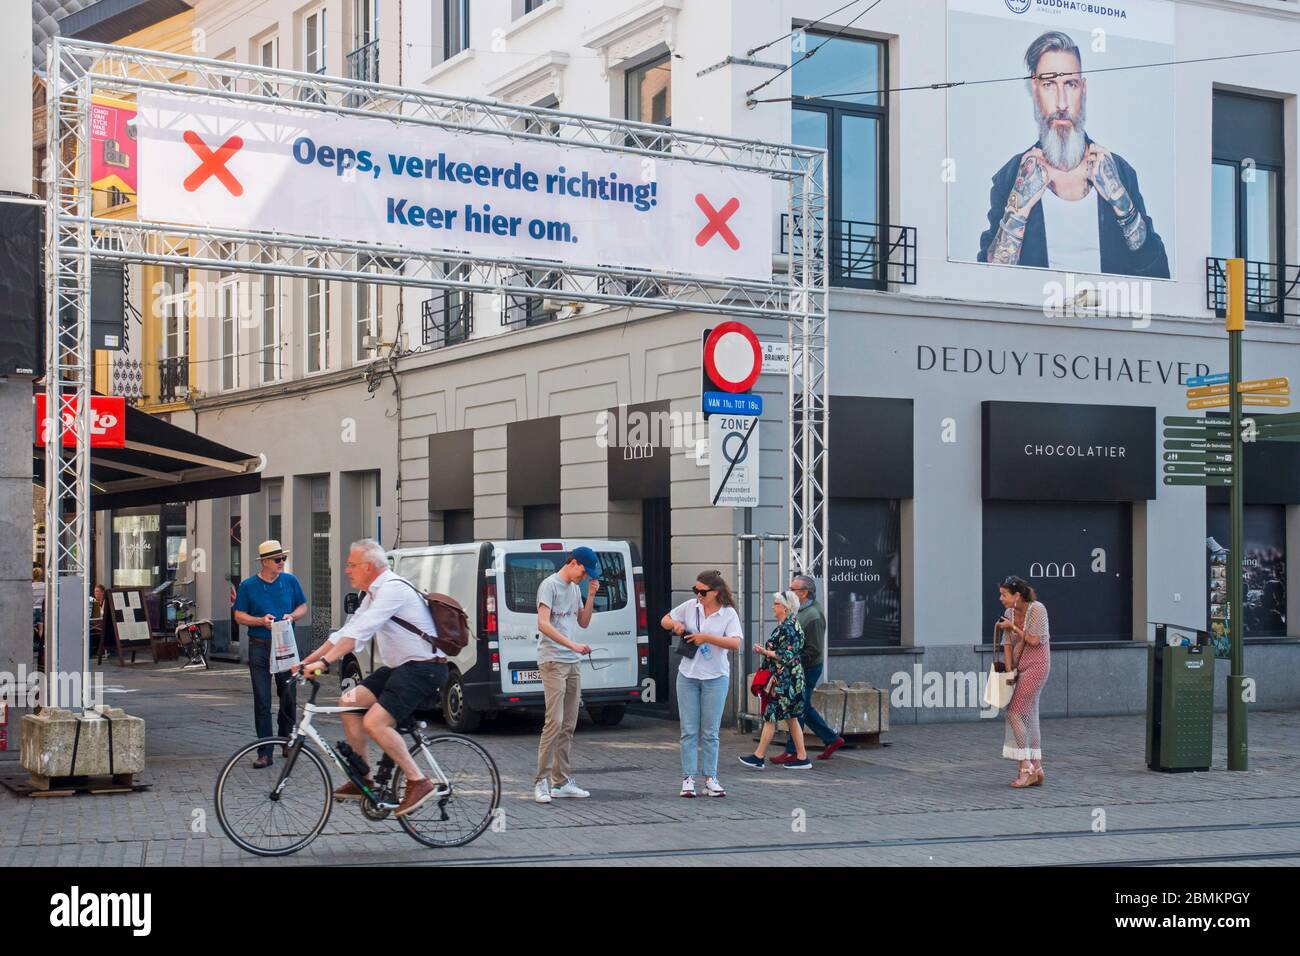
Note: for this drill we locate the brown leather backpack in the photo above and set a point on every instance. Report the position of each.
(449, 620)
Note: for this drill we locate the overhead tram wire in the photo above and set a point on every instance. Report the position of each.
(749, 94)
(817, 22)
(952, 84)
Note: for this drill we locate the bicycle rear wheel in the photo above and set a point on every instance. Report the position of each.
(469, 801)
(269, 823)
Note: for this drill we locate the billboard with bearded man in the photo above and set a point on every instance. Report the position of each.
(1068, 163)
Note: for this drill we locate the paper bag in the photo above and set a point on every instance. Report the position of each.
(284, 647)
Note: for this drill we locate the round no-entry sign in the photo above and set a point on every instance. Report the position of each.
(732, 357)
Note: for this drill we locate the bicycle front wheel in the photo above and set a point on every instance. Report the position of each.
(268, 817)
(470, 791)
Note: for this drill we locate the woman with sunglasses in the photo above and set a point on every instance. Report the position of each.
(709, 627)
(1025, 650)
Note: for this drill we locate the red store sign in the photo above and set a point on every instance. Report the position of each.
(107, 421)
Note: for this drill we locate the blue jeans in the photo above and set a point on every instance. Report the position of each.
(700, 703)
(811, 720)
(259, 666)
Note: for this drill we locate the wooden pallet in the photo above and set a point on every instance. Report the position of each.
(39, 785)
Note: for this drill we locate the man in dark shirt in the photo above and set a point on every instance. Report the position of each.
(813, 622)
(270, 595)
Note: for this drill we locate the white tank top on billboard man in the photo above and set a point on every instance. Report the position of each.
(414, 669)
(559, 606)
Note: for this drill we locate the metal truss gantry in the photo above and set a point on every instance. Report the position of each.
(80, 70)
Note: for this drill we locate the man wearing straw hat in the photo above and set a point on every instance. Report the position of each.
(270, 595)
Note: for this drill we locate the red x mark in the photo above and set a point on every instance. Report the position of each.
(213, 163)
(717, 221)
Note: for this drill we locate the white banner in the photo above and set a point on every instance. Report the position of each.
(209, 162)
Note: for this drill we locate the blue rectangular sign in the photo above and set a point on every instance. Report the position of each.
(728, 403)
(1218, 378)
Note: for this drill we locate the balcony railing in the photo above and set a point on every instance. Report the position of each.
(864, 254)
(525, 310)
(446, 319)
(1272, 290)
(363, 64)
(173, 379)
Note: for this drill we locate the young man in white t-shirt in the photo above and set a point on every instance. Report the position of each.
(559, 605)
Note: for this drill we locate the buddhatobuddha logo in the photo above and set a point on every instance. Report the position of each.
(1018, 6)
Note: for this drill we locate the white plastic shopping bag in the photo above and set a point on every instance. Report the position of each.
(284, 647)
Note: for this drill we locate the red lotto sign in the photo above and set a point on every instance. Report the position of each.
(107, 421)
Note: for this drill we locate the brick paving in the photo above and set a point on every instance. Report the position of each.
(936, 794)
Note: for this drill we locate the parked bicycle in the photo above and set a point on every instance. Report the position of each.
(193, 637)
(275, 815)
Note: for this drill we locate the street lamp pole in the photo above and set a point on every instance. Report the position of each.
(1236, 324)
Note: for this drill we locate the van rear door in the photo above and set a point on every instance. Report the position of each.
(611, 633)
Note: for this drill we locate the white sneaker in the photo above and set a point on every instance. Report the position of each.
(713, 788)
(542, 792)
(688, 787)
(570, 789)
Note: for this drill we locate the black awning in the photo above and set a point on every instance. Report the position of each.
(162, 463)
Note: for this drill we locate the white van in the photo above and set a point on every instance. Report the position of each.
(496, 582)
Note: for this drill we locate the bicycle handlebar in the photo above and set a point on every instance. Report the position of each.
(303, 678)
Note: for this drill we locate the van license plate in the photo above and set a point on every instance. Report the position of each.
(526, 677)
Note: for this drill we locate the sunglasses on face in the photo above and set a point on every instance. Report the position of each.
(700, 592)
(280, 560)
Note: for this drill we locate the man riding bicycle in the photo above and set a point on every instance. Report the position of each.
(416, 669)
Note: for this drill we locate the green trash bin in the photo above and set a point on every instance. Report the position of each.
(1180, 704)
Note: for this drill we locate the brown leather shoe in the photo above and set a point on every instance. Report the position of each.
(349, 791)
(418, 793)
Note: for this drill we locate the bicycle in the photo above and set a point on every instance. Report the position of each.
(282, 815)
(193, 637)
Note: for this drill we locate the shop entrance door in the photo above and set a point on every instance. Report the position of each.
(656, 568)
(322, 574)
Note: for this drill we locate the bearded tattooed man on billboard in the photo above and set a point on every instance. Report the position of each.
(1042, 206)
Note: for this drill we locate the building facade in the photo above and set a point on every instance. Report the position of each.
(999, 366)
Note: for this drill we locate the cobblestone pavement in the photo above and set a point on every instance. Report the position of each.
(935, 794)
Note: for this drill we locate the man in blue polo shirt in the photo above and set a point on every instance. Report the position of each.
(270, 595)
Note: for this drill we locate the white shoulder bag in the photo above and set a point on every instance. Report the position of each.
(999, 687)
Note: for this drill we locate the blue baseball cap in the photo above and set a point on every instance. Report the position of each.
(587, 558)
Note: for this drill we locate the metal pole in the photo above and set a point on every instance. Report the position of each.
(742, 584)
(1236, 323)
(761, 635)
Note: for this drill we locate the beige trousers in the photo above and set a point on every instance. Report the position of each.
(562, 685)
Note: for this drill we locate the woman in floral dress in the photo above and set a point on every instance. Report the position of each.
(785, 702)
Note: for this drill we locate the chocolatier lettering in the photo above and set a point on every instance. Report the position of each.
(1076, 451)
